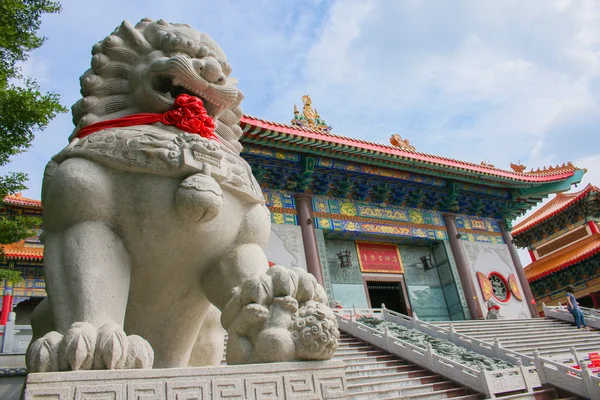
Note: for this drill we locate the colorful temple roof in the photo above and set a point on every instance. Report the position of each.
(20, 251)
(558, 204)
(573, 254)
(17, 199)
(260, 131)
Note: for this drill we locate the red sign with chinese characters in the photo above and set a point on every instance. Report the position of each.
(379, 257)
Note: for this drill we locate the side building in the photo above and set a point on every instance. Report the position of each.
(378, 223)
(25, 256)
(564, 244)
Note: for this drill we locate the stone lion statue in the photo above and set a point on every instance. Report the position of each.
(155, 226)
(493, 310)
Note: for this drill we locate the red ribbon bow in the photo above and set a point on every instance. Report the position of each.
(188, 115)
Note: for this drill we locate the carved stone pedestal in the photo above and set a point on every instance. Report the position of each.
(286, 381)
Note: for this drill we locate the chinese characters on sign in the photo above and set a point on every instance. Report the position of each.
(379, 257)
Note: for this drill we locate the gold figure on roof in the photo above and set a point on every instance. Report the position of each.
(310, 117)
(404, 144)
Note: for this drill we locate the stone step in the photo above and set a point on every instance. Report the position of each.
(432, 391)
(357, 348)
(360, 353)
(489, 337)
(515, 329)
(391, 362)
(481, 327)
(549, 337)
(399, 383)
(386, 377)
(532, 321)
(542, 394)
(520, 347)
(561, 347)
(382, 369)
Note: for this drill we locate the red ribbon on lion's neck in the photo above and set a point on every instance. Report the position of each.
(188, 115)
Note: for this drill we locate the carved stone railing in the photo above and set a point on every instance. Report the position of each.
(580, 382)
(470, 343)
(592, 317)
(491, 383)
(14, 339)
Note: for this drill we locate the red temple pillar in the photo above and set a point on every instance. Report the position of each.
(512, 249)
(309, 237)
(595, 299)
(7, 300)
(532, 255)
(593, 226)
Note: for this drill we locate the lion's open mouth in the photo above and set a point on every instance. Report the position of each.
(170, 87)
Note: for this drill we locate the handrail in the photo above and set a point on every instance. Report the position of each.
(490, 383)
(577, 381)
(14, 339)
(478, 346)
(592, 316)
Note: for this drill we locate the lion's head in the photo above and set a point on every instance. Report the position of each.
(142, 69)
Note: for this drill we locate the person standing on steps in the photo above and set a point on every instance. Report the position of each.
(573, 307)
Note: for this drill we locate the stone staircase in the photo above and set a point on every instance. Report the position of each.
(551, 337)
(372, 373)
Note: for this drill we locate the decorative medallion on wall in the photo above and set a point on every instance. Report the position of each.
(485, 285)
(379, 257)
(514, 287)
(499, 287)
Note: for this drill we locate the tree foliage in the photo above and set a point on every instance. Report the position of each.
(24, 108)
(10, 275)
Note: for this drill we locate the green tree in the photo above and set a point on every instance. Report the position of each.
(24, 109)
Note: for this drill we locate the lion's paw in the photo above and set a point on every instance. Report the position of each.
(84, 347)
(280, 316)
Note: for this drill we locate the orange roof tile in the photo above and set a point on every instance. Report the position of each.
(564, 258)
(17, 199)
(18, 250)
(561, 202)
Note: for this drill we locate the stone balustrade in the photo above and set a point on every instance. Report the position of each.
(491, 383)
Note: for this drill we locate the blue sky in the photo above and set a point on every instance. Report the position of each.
(498, 81)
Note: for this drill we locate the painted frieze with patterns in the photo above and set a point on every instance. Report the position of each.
(475, 229)
(383, 172)
(340, 215)
(281, 205)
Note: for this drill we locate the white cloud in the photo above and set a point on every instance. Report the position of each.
(471, 80)
(500, 81)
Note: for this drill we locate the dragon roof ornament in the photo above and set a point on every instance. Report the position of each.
(404, 144)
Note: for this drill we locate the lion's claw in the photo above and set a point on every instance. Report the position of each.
(84, 347)
(278, 317)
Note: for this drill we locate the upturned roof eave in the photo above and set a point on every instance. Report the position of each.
(536, 220)
(257, 128)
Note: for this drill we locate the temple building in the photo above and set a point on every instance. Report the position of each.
(383, 223)
(26, 256)
(564, 244)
